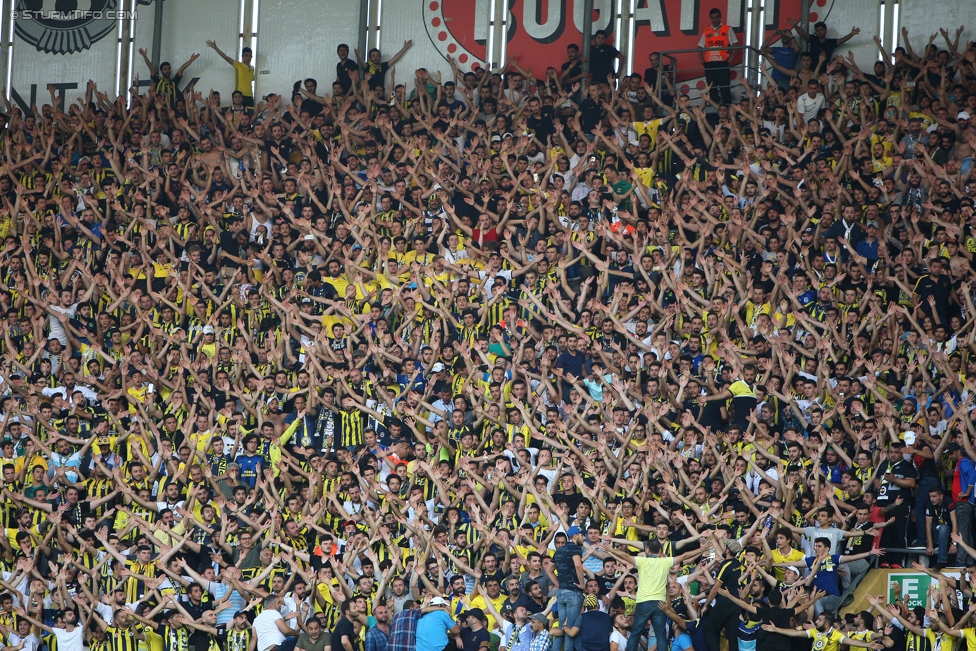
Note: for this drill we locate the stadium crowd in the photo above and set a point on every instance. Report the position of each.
(493, 361)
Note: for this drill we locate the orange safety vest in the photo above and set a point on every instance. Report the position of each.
(717, 37)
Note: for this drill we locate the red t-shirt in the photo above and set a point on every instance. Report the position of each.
(490, 235)
(877, 516)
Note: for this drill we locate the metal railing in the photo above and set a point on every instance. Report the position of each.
(750, 65)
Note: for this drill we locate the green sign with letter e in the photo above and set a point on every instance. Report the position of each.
(914, 587)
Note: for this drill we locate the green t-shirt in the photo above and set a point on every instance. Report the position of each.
(621, 188)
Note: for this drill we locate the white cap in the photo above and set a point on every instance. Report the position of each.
(962, 115)
(909, 437)
(208, 330)
(795, 569)
(439, 601)
(437, 368)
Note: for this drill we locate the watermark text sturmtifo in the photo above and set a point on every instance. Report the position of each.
(77, 14)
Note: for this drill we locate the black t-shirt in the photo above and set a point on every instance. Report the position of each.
(530, 604)
(650, 75)
(343, 628)
(197, 638)
(889, 491)
(285, 148)
(377, 72)
(590, 114)
(816, 47)
(940, 513)
(566, 568)
(940, 288)
(542, 126)
(575, 71)
(601, 61)
(476, 640)
(780, 618)
(595, 630)
(859, 544)
(729, 574)
(167, 87)
(342, 73)
(463, 208)
(926, 466)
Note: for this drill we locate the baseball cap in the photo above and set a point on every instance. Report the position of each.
(542, 619)
(573, 531)
(477, 613)
(872, 223)
(909, 437)
(962, 115)
(953, 447)
(208, 330)
(733, 546)
(591, 601)
(437, 368)
(438, 601)
(795, 569)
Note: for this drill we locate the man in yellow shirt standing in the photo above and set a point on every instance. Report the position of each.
(243, 73)
(652, 587)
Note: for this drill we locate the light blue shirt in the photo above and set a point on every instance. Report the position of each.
(432, 631)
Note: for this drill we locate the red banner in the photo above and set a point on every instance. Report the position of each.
(540, 30)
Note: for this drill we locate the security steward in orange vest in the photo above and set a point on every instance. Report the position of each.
(716, 62)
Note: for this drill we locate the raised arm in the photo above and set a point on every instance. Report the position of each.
(213, 44)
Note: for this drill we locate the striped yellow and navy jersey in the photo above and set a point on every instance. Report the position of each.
(238, 640)
(176, 639)
(121, 639)
(351, 426)
(136, 588)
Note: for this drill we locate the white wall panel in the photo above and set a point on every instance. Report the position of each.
(187, 26)
(404, 20)
(295, 43)
(841, 16)
(144, 39)
(924, 18)
(68, 62)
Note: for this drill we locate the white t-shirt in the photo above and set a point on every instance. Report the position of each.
(810, 534)
(489, 282)
(85, 391)
(70, 641)
(291, 605)
(810, 106)
(617, 636)
(31, 642)
(166, 505)
(266, 629)
(106, 613)
(57, 329)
